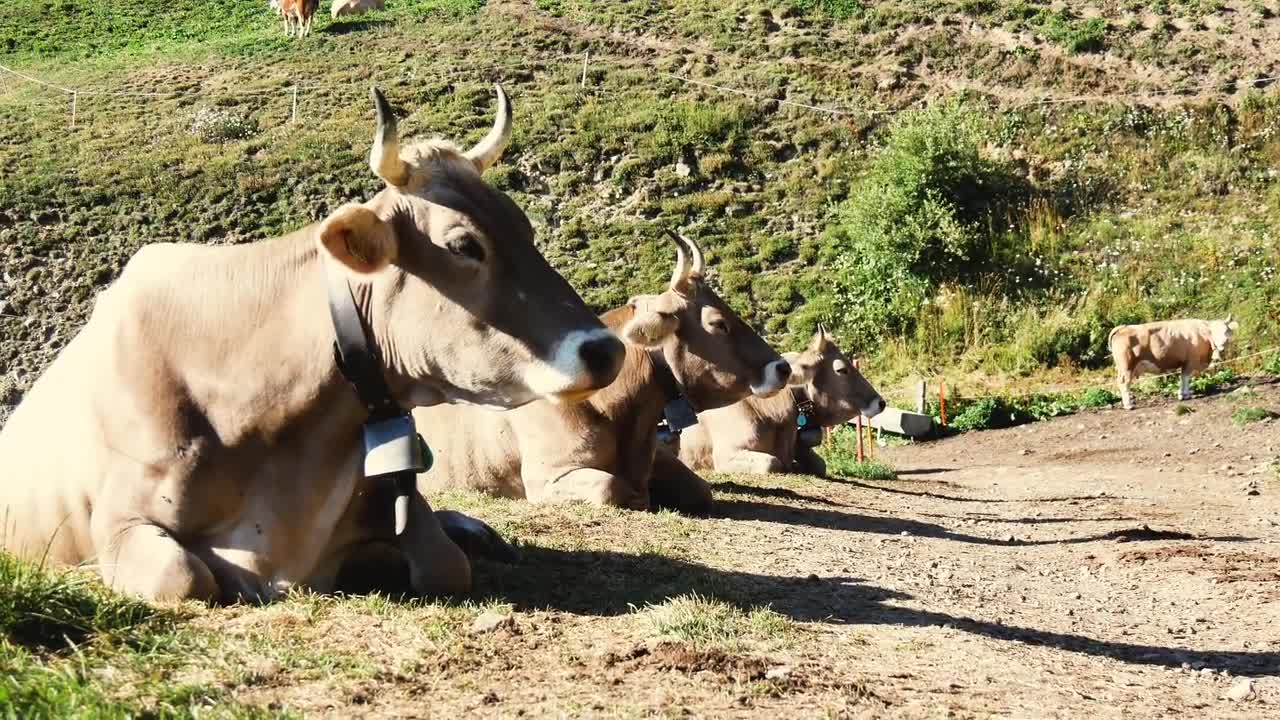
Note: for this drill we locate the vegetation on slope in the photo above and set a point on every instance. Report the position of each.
(966, 231)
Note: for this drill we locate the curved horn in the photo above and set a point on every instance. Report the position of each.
(699, 264)
(1229, 318)
(384, 156)
(489, 149)
(680, 273)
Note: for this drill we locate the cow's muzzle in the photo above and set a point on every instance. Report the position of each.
(772, 379)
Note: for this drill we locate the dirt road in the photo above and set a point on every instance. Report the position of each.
(1109, 564)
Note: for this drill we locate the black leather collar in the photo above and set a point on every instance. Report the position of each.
(808, 431)
(359, 363)
(805, 415)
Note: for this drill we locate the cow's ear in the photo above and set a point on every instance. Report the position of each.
(357, 238)
(803, 369)
(650, 325)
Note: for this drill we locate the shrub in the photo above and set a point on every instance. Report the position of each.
(220, 125)
(1272, 365)
(915, 220)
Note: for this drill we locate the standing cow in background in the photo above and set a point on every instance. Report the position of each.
(297, 15)
(684, 342)
(353, 7)
(1189, 345)
(198, 438)
(778, 434)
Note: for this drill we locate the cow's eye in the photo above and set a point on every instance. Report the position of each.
(718, 326)
(467, 246)
(841, 367)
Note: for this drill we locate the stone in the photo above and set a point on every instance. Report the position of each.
(489, 621)
(1241, 691)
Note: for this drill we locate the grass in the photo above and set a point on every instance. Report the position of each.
(1252, 414)
(708, 623)
(69, 647)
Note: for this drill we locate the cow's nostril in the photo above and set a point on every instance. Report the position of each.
(781, 370)
(603, 357)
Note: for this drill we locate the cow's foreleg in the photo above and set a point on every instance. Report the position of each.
(1126, 400)
(673, 486)
(437, 565)
(593, 486)
(1184, 391)
(146, 560)
(808, 461)
(748, 461)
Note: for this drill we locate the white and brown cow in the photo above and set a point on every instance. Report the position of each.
(1186, 345)
(770, 435)
(196, 440)
(602, 451)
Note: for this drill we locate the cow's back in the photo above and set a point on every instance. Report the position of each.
(52, 450)
(758, 424)
(1163, 345)
(473, 449)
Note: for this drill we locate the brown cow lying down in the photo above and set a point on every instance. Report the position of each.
(196, 440)
(602, 451)
(1156, 347)
(764, 435)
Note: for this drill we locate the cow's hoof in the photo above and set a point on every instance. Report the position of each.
(476, 538)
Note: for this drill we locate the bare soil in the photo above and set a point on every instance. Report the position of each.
(1107, 564)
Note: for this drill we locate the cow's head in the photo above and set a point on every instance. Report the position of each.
(716, 357)
(1220, 332)
(835, 387)
(462, 306)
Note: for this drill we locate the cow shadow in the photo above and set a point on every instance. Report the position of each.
(735, 488)
(606, 583)
(960, 498)
(828, 519)
(339, 27)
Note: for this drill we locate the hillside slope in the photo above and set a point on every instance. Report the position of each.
(1115, 162)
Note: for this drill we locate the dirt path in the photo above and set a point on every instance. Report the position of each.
(1103, 565)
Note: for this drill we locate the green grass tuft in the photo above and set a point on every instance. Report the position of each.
(1246, 415)
(704, 622)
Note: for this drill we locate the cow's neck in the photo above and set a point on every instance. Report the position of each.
(632, 403)
(260, 344)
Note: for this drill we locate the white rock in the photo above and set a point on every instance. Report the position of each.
(1241, 691)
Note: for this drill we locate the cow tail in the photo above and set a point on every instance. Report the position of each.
(1112, 334)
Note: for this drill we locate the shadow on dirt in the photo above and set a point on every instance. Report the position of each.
(606, 583)
(352, 26)
(733, 488)
(835, 520)
(959, 498)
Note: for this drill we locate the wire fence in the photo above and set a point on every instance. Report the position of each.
(294, 92)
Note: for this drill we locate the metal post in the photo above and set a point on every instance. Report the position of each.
(920, 390)
(295, 104)
(75, 96)
(585, 56)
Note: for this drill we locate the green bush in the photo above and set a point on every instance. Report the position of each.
(835, 9)
(1272, 365)
(1076, 35)
(916, 220)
